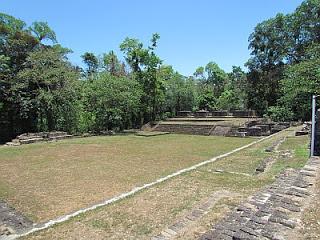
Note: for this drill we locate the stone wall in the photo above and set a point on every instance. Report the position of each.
(255, 129)
(184, 128)
(243, 113)
(219, 113)
(184, 114)
(27, 138)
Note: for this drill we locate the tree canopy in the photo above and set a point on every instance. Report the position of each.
(41, 90)
(280, 47)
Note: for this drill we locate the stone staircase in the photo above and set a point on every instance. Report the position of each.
(184, 128)
(218, 127)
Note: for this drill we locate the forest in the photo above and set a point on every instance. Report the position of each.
(41, 90)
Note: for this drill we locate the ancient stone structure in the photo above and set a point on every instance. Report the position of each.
(222, 113)
(250, 131)
(222, 131)
(201, 114)
(218, 113)
(211, 126)
(243, 113)
(192, 217)
(28, 138)
(185, 128)
(184, 114)
(270, 213)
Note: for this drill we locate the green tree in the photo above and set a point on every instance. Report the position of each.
(92, 63)
(15, 45)
(42, 31)
(228, 100)
(301, 81)
(112, 64)
(110, 103)
(145, 64)
(180, 92)
(275, 44)
(215, 77)
(47, 89)
(237, 83)
(211, 83)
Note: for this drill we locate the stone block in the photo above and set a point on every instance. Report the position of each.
(184, 113)
(201, 114)
(254, 131)
(219, 113)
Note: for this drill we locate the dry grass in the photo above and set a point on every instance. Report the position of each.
(311, 216)
(47, 180)
(148, 213)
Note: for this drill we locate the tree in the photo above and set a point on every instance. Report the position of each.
(238, 84)
(211, 82)
(113, 65)
(301, 81)
(15, 45)
(199, 74)
(10, 24)
(110, 103)
(180, 92)
(275, 44)
(228, 100)
(92, 63)
(215, 77)
(145, 64)
(42, 31)
(47, 89)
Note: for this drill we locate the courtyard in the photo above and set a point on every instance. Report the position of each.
(47, 180)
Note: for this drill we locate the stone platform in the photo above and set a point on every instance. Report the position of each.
(219, 126)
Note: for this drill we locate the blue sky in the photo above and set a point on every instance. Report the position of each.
(193, 32)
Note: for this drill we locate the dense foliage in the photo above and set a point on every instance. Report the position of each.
(284, 67)
(40, 90)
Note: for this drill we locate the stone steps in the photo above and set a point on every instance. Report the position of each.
(184, 129)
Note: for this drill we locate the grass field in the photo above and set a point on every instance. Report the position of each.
(47, 180)
(148, 213)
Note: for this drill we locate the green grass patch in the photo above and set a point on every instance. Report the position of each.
(298, 146)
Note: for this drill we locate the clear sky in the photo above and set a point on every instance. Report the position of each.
(193, 32)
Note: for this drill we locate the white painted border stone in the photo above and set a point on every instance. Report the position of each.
(135, 190)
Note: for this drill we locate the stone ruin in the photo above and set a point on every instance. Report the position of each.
(201, 114)
(305, 129)
(243, 113)
(220, 113)
(256, 128)
(27, 138)
(185, 114)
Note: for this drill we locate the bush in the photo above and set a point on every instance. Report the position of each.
(279, 114)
